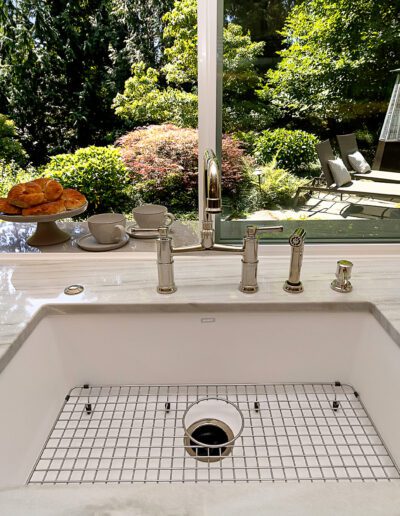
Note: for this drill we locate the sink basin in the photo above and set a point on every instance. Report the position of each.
(191, 345)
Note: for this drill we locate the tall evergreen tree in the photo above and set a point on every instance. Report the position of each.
(169, 94)
(62, 63)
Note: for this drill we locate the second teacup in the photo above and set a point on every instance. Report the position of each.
(152, 216)
(107, 228)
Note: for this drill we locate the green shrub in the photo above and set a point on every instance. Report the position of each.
(98, 172)
(293, 150)
(367, 142)
(168, 193)
(247, 197)
(278, 187)
(11, 174)
(10, 148)
(163, 161)
(248, 140)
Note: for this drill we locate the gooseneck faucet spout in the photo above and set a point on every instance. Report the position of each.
(212, 174)
(212, 200)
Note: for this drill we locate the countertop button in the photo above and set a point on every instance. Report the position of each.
(73, 290)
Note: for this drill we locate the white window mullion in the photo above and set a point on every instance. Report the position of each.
(210, 56)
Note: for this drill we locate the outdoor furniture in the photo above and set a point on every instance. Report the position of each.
(348, 145)
(371, 189)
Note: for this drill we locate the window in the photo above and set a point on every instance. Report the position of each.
(106, 96)
(296, 74)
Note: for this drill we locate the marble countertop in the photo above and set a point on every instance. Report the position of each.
(30, 283)
(33, 282)
(292, 499)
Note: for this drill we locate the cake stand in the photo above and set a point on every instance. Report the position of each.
(47, 232)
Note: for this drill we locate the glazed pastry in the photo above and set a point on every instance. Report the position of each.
(73, 199)
(25, 195)
(48, 208)
(52, 189)
(7, 208)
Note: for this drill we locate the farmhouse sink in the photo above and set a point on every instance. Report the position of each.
(76, 357)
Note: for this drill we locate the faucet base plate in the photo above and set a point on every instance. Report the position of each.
(344, 288)
(166, 290)
(248, 289)
(293, 288)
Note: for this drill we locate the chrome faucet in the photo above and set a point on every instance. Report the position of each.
(212, 205)
(293, 285)
(249, 284)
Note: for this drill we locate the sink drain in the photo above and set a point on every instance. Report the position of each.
(213, 436)
(211, 427)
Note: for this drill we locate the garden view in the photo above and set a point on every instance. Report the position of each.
(102, 95)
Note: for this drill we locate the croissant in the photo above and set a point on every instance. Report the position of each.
(73, 199)
(51, 189)
(25, 195)
(7, 208)
(48, 208)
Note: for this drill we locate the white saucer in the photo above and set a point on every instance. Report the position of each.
(89, 243)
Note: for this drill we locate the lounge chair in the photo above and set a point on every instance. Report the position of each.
(348, 145)
(371, 189)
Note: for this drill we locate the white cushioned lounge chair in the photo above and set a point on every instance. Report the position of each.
(372, 189)
(348, 145)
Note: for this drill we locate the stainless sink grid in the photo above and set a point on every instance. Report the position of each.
(293, 432)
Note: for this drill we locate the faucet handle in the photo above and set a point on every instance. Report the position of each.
(253, 231)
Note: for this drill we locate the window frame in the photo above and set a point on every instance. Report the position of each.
(210, 56)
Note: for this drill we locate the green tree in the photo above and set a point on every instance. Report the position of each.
(337, 61)
(170, 95)
(145, 100)
(62, 63)
(10, 147)
(264, 19)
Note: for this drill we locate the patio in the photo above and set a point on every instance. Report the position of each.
(331, 206)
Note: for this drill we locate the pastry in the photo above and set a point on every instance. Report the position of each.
(7, 208)
(73, 199)
(25, 195)
(48, 208)
(52, 189)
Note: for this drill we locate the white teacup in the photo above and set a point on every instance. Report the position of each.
(107, 228)
(152, 216)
